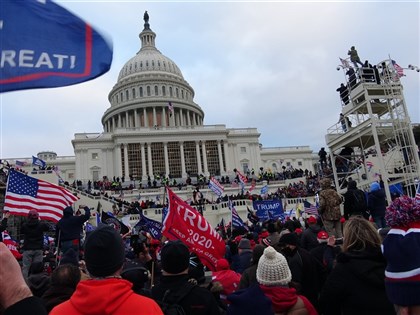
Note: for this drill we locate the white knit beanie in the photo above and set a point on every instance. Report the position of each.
(273, 269)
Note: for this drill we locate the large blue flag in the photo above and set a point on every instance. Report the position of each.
(43, 45)
(152, 226)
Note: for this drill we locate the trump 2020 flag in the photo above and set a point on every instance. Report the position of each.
(24, 193)
(43, 45)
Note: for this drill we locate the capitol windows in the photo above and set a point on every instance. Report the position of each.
(147, 63)
(300, 163)
(141, 91)
(158, 63)
(212, 154)
(170, 91)
(177, 93)
(156, 90)
(148, 90)
(134, 93)
(153, 63)
(95, 156)
(243, 149)
(126, 95)
(163, 90)
(141, 64)
(182, 93)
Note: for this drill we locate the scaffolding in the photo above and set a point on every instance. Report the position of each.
(374, 136)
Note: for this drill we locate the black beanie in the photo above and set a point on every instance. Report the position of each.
(175, 257)
(104, 252)
(70, 257)
(289, 239)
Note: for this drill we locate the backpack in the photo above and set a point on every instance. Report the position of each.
(170, 301)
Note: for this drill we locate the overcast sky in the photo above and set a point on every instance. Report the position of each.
(269, 65)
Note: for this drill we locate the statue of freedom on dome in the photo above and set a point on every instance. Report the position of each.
(146, 17)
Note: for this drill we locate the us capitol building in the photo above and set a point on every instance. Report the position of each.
(153, 126)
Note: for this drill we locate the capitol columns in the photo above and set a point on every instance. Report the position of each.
(143, 162)
(126, 171)
(197, 150)
(183, 170)
(149, 158)
(203, 148)
(165, 153)
(163, 117)
(219, 151)
(154, 117)
(146, 124)
(117, 158)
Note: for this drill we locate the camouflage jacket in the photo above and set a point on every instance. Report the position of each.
(329, 204)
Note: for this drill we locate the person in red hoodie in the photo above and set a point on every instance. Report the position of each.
(272, 294)
(228, 278)
(106, 292)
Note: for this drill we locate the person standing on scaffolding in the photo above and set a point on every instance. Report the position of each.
(345, 122)
(354, 57)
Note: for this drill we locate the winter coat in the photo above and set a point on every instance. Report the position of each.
(353, 199)
(107, 296)
(249, 277)
(56, 295)
(377, 203)
(329, 204)
(3, 227)
(309, 238)
(70, 225)
(244, 261)
(199, 301)
(356, 285)
(263, 300)
(38, 280)
(31, 305)
(33, 231)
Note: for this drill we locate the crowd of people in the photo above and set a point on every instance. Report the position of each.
(365, 262)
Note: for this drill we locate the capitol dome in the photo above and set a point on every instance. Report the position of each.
(151, 92)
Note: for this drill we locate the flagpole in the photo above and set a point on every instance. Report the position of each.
(231, 217)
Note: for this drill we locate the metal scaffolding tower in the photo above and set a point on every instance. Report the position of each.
(374, 136)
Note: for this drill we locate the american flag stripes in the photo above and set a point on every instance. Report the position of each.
(25, 193)
(309, 208)
(398, 69)
(417, 197)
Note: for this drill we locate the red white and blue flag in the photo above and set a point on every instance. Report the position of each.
(216, 187)
(398, 69)
(24, 193)
(310, 209)
(236, 219)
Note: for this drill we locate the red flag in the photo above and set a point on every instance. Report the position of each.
(11, 244)
(25, 193)
(184, 223)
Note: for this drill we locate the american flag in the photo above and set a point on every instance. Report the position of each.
(170, 108)
(398, 69)
(241, 177)
(418, 194)
(236, 219)
(25, 193)
(309, 208)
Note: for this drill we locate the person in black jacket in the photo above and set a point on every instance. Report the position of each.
(69, 228)
(33, 243)
(309, 238)
(175, 259)
(356, 285)
(377, 204)
(355, 202)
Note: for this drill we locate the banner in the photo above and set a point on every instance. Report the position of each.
(109, 219)
(43, 45)
(184, 223)
(152, 226)
(268, 209)
(216, 187)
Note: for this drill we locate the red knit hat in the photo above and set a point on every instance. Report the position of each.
(312, 220)
(322, 236)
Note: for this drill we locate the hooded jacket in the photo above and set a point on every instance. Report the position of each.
(34, 230)
(356, 285)
(309, 238)
(70, 225)
(106, 297)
